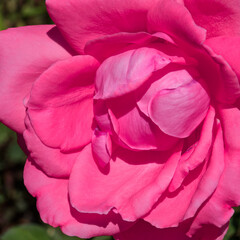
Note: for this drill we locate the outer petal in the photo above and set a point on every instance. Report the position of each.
(164, 17)
(131, 185)
(60, 107)
(218, 209)
(25, 53)
(218, 17)
(55, 209)
(81, 21)
(51, 161)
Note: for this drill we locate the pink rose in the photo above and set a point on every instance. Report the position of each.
(129, 114)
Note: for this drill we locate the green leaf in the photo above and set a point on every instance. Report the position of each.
(56, 234)
(231, 231)
(26, 232)
(102, 238)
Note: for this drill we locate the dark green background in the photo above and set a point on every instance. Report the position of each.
(19, 219)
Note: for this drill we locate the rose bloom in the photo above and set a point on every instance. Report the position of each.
(128, 111)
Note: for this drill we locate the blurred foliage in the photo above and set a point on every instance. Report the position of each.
(16, 13)
(19, 219)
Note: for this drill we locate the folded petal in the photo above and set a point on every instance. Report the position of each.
(164, 17)
(55, 209)
(81, 21)
(218, 17)
(171, 77)
(130, 186)
(226, 87)
(125, 72)
(25, 53)
(228, 48)
(60, 106)
(178, 110)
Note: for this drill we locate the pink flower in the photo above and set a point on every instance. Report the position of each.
(129, 114)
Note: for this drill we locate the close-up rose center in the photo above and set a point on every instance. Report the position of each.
(169, 106)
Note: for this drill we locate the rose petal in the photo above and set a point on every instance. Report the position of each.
(127, 71)
(55, 209)
(134, 129)
(109, 45)
(60, 107)
(218, 17)
(101, 116)
(101, 147)
(81, 21)
(121, 186)
(178, 110)
(197, 187)
(51, 161)
(199, 151)
(170, 77)
(225, 88)
(164, 17)
(228, 48)
(24, 54)
(144, 231)
(211, 177)
(217, 210)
